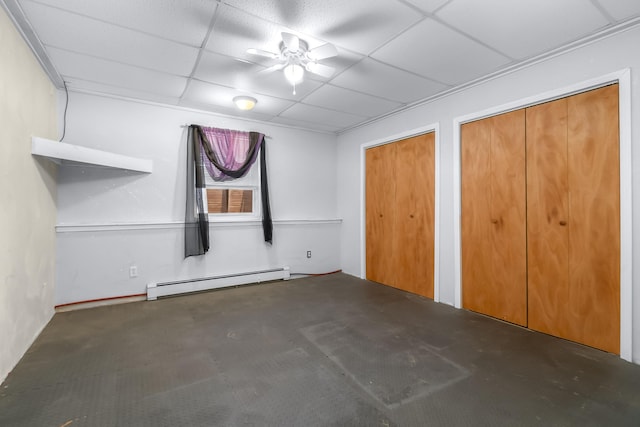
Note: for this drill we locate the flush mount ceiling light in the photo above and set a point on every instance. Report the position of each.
(245, 103)
(295, 58)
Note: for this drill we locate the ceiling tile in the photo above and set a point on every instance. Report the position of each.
(337, 98)
(458, 60)
(227, 111)
(275, 84)
(210, 95)
(309, 113)
(428, 6)
(74, 65)
(621, 9)
(523, 28)
(361, 26)
(236, 31)
(186, 21)
(226, 71)
(322, 127)
(74, 83)
(107, 41)
(387, 82)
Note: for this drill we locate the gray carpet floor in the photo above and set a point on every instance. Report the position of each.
(323, 351)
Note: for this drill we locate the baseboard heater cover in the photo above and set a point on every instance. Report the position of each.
(162, 289)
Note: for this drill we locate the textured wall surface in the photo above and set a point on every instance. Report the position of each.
(28, 194)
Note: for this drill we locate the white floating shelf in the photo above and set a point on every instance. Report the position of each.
(61, 152)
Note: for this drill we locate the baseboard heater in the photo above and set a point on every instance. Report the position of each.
(162, 289)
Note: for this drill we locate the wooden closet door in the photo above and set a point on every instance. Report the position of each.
(414, 230)
(547, 216)
(476, 234)
(576, 294)
(594, 228)
(380, 191)
(494, 217)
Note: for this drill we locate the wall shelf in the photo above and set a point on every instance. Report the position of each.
(63, 153)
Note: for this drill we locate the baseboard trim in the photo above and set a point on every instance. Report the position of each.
(100, 302)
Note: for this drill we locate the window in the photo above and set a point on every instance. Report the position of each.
(235, 199)
(229, 200)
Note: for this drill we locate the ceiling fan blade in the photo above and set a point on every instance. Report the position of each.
(321, 52)
(291, 41)
(320, 69)
(272, 69)
(265, 53)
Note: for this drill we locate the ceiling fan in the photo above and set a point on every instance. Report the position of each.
(295, 57)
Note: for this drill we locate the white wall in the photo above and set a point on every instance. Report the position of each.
(28, 193)
(93, 262)
(591, 61)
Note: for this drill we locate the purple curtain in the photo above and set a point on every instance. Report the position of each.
(227, 155)
(233, 151)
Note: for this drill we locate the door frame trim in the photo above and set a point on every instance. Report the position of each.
(623, 78)
(435, 128)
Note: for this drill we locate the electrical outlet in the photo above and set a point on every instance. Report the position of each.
(308, 254)
(133, 271)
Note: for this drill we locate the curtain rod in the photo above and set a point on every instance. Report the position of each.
(186, 126)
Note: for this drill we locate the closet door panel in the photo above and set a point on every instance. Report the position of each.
(415, 214)
(508, 217)
(494, 217)
(594, 226)
(425, 179)
(476, 216)
(574, 218)
(380, 213)
(547, 217)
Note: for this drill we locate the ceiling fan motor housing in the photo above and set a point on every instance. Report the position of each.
(299, 56)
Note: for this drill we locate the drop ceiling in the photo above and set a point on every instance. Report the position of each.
(392, 54)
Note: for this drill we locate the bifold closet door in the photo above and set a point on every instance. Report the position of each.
(400, 212)
(493, 221)
(415, 192)
(380, 213)
(574, 218)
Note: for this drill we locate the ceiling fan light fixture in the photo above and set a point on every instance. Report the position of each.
(294, 73)
(245, 103)
(295, 58)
